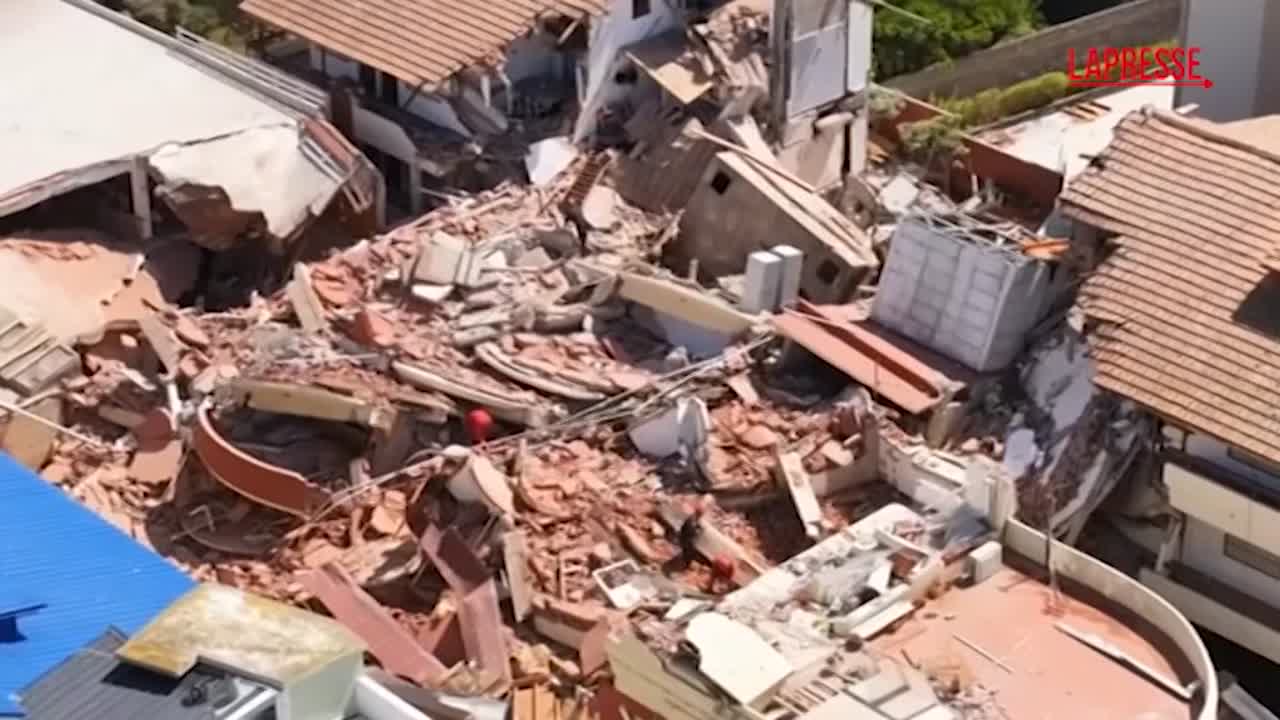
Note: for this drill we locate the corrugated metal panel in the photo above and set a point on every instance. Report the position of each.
(88, 574)
(418, 42)
(1185, 303)
(93, 685)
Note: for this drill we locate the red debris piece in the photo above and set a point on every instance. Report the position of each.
(723, 567)
(479, 423)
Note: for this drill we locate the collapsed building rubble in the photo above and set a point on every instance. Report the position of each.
(649, 448)
(660, 432)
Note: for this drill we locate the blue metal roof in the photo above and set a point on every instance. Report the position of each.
(78, 572)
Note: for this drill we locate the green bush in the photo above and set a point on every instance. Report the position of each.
(941, 135)
(956, 28)
(995, 104)
(217, 20)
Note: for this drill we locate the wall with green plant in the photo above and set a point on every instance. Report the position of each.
(995, 104)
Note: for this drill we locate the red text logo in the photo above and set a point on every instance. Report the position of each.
(1126, 67)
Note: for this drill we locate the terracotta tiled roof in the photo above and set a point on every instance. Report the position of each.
(417, 41)
(1182, 303)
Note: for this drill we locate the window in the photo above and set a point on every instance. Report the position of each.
(390, 89)
(368, 81)
(640, 8)
(1249, 554)
(827, 272)
(720, 183)
(1257, 463)
(626, 76)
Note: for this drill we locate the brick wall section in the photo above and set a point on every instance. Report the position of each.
(1144, 22)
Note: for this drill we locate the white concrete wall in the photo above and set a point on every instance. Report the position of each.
(430, 107)
(861, 22)
(385, 135)
(1207, 612)
(971, 302)
(322, 695)
(1215, 451)
(1128, 593)
(376, 702)
(609, 34)
(858, 134)
(1202, 550)
(1231, 39)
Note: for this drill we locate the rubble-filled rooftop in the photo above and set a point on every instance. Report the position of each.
(691, 418)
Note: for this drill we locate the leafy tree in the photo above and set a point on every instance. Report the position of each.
(218, 20)
(956, 28)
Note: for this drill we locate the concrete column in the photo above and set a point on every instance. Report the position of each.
(415, 188)
(792, 270)
(141, 190)
(760, 286)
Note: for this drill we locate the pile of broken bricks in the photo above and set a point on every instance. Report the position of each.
(321, 446)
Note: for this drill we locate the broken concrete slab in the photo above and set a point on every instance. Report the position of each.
(159, 465)
(478, 612)
(683, 303)
(350, 605)
(548, 158)
(792, 475)
(447, 260)
(29, 441)
(599, 208)
(492, 356)
(515, 560)
(312, 402)
(162, 340)
(306, 304)
(285, 188)
(372, 329)
(31, 360)
(736, 658)
(687, 424)
(430, 292)
(529, 413)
